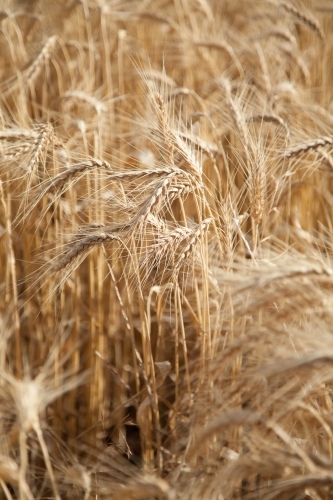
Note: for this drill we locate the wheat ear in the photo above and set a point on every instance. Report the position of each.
(192, 240)
(71, 173)
(160, 192)
(308, 146)
(35, 68)
(83, 247)
(235, 113)
(224, 46)
(78, 95)
(306, 19)
(164, 125)
(257, 189)
(44, 138)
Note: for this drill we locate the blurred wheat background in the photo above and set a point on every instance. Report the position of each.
(166, 249)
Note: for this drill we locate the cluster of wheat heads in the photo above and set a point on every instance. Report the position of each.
(166, 249)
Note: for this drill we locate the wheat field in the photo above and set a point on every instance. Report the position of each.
(166, 249)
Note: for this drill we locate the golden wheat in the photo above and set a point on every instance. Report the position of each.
(166, 250)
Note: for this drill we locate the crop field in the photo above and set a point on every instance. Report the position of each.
(166, 249)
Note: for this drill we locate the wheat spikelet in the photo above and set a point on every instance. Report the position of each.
(173, 140)
(179, 91)
(13, 148)
(17, 151)
(308, 146)
(181, 190)
(58, 182)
